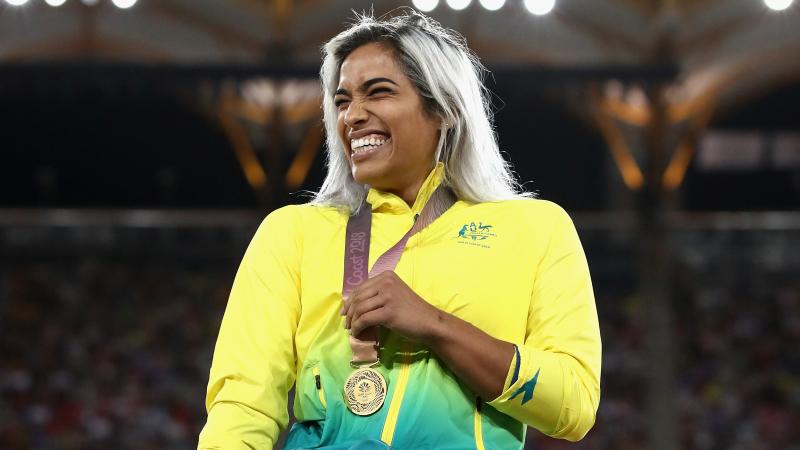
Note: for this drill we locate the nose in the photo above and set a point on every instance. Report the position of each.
(355, 115)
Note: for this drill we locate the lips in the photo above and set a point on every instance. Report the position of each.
(366, 142)
(366, 147)
(366, 132)
(371, 140)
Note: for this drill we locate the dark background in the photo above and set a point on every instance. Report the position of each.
(125, 209)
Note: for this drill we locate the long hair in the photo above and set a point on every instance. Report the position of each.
(449, 79)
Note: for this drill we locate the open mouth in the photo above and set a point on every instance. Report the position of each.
(368, 145)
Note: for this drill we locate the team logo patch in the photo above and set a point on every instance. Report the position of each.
(479, 234)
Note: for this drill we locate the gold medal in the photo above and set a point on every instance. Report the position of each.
(365, 391)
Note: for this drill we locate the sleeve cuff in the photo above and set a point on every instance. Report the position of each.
(530, 394)
(515, 365)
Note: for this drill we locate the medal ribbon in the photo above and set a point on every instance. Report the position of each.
(356, 262)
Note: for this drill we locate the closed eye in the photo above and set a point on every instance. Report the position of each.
(380, 90)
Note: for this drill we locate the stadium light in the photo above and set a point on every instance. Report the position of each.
(778, 5)
(16, 2)
(123, 4)
(55, 3)
(425, 5)
(539, 7)
(492, 5)
(458, 5)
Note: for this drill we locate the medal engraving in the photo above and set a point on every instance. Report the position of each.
(365, 391)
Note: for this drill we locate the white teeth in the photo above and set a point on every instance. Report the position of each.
(365, 143)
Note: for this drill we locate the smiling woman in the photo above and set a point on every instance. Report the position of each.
(389, 138)
(420, 300)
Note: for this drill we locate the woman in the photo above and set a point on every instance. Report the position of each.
(478, 316)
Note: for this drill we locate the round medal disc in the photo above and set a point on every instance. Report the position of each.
(365, 391)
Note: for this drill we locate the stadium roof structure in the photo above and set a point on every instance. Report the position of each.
(731, 46)
(705, 55)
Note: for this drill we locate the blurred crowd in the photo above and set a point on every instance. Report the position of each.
(103, 354)
(113, 352)
(739, 373)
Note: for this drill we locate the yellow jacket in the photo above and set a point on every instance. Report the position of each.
(515, 269)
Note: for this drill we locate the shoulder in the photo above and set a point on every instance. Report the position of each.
(284, 230)
(295, 219)
(531, 211)
(283, 219)
(544, 224)
(298, 214)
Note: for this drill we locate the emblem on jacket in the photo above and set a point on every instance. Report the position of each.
(472, 234)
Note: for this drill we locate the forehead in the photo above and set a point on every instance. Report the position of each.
(370, 61)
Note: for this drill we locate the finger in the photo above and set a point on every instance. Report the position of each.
(363, 307)
(362, 292)
(372, 318)
(375, 280)
(367, 289)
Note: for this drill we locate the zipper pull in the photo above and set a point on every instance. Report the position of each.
(317, 382)
(416, 216)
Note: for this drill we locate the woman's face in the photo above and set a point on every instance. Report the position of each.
(388, 137)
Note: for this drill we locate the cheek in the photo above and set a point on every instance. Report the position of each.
(341, 129)
(340, 126)
(421, 130)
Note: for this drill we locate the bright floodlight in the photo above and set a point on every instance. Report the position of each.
(425, 5)
(778, 5)
(539, 7)
(493, 5)
(16, 2)
(124, 4)
(55, 2)
(458, 5)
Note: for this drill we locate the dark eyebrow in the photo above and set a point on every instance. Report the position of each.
(366, 85)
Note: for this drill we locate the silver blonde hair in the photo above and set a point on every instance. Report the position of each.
(449, 78)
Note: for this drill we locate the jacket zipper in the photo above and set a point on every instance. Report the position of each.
(389, 426)
(478, 425)
(320, 389)
(397, 399)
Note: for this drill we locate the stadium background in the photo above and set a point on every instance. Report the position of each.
(142, 142)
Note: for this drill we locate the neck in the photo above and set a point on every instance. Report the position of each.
(409, 190)
(409, 193)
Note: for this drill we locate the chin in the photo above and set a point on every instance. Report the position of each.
(366, 177)
(369, 172)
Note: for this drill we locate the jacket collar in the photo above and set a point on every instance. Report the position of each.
(388, 202)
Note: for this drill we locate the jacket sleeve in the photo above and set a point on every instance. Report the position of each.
(553, 383)
(254, 358)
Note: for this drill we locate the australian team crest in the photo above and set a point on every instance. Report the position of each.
(475, 234)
